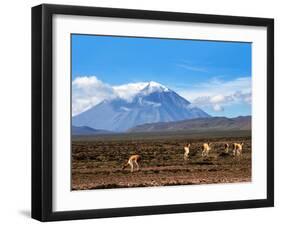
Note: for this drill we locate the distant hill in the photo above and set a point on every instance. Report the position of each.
(85, 130)
(200, 124)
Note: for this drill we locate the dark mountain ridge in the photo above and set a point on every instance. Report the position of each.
(86, 130)
(199, 124)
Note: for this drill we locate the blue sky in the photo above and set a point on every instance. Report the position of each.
(216, 76)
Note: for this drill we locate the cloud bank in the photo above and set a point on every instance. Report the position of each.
(217, 94)
(88, 91)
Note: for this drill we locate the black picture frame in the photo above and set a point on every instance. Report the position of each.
(42, 111)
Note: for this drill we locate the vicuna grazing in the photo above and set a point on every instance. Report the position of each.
(237, 149)
(186, 152)
(206, 149)
(133, 159)
(226, 146)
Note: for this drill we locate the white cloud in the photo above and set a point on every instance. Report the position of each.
(87, 91)
(218, 108)
(128, 91)
(217, 99)
(218, 102)
(191, 67)
(246, 97)
(216, 87)
(218, 94)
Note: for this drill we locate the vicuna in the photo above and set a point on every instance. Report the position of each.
(206, 149)
(186, 152)
(133, 159)
(237, 149)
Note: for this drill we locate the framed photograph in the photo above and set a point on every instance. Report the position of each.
(145, 112)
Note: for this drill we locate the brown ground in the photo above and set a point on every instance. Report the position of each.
(97, 161)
